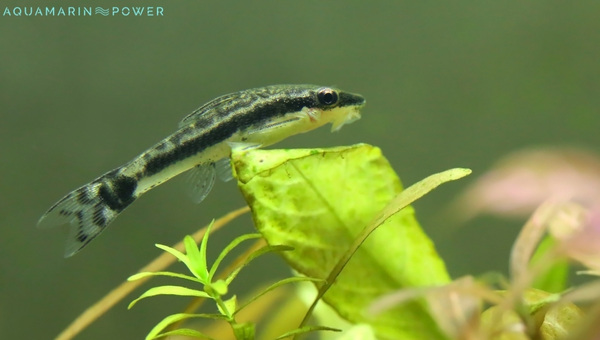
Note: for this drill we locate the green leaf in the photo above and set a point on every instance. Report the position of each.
(231, 303)
(171, 274)
(228, 307)
(169, 290)
(164, 323)
(275, 285)
(179, 255)
(319, 200)
(229, 248)
(220, 287)
(555, 278)
(244, 331)
(197, 257)
(401, 201)
(306, 329)
(192, 333)
(254, 255)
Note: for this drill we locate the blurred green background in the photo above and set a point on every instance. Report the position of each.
(447, 84)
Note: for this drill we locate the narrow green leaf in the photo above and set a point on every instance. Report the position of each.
(197, 257)
(228, 307)
(257, 253)
(555, 278)
(319, 201)
(306, 329)
(179, 255)
(231, 303)
(171, 274)
(275, 285)
(169, 290)
(401, 201)
(179, 317)
(229, 248)
(192, 333)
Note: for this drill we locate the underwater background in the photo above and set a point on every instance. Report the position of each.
(448, 84)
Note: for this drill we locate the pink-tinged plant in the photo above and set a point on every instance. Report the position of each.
(560, 189)
(578, 234)
(472, 309)
(523, 180)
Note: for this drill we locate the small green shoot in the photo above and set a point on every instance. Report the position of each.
(210, 288)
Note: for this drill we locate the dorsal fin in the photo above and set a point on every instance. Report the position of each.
(194, 116)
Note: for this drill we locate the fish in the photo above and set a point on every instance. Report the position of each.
(202, 145)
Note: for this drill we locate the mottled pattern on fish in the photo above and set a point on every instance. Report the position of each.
(250, 118)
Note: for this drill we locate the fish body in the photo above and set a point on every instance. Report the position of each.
(248, 119)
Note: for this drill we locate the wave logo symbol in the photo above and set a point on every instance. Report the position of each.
(101, 11)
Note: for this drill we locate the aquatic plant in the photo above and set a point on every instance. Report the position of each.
(343, 222)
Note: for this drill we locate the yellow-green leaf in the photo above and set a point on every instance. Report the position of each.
(318, 201)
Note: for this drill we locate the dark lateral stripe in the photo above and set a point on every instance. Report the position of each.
(124, 187)
(109, 198)
(120, 195)
(238, 120)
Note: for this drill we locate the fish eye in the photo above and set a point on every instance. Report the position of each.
(327, 96)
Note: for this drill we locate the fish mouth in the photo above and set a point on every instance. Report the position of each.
(350, 115)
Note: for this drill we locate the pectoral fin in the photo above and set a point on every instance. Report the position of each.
(241, 146)
(200, 181)
(223, 169)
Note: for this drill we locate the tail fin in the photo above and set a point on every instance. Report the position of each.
(90, 209)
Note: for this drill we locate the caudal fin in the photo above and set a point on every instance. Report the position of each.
(89, 209)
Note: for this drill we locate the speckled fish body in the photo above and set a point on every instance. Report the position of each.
(251, 118)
